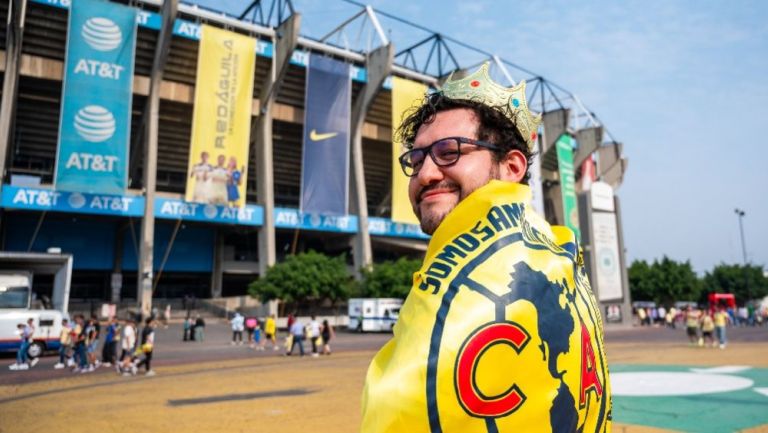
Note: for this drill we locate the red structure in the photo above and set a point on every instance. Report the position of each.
(727, 299)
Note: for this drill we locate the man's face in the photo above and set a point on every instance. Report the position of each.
(435, 191)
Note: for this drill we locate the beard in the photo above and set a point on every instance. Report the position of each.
(431, 219)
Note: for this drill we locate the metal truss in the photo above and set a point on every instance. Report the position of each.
(267, 13)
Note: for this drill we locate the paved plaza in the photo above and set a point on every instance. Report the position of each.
(660, 385)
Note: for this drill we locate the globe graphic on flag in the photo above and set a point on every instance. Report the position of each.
(95, 123)
(102, 34)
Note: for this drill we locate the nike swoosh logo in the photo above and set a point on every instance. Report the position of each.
(314, 136)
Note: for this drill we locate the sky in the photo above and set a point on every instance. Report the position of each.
(681, 83)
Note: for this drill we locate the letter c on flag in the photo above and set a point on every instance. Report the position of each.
(474, 402)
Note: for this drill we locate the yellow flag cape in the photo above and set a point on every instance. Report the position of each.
(500, 332)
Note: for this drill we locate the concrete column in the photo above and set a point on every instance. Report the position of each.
(379, 66)
(147, 242)
(285, 43)
(13, 38)
(217, 275)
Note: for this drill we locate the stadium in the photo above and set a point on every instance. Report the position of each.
(213, 251)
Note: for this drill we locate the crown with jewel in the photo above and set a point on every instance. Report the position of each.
(479, 87)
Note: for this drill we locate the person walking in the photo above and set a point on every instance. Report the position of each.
(721, 320)
(167, 316)
(238, 325)
(108, 351)
(188, 325)
(692, 326)
(707, 329)
(314, 335)
(128, 346)
(79, 341)
(147, 347)
(250, 326)
(65, 345)
(327, 333)
(199, 328)
(26, 333)
(270, 331)
(296, 332)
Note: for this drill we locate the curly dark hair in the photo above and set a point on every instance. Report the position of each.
(495, 127)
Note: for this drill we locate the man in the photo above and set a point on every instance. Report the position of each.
(500, 331)
(721, 320)
(297, 337)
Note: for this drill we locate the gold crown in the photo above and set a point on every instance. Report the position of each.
(479, 87)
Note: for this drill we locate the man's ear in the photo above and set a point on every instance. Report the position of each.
(513, 167)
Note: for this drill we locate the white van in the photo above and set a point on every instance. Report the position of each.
(373, 314)
(16, 308)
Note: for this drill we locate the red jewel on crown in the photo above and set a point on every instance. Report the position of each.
(474, 83)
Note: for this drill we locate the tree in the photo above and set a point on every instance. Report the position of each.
(746, 282)
(664, 281)
(390, 279)
(302, 278)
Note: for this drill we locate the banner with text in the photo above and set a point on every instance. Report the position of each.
(325, 156)
(95, 122)
(405, 95)
(568, 183)
(221, 122)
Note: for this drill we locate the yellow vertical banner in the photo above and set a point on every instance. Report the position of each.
(221, 122)
(406, 94)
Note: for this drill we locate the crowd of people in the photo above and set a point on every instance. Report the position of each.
(88, 344)
(704, 326)
(79, 345)
(260, 333)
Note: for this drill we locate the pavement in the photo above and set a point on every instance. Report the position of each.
(216, 387)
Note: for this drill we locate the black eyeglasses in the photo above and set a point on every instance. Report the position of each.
(444, 152)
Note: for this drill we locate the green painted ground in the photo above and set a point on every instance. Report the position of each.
(717, 412)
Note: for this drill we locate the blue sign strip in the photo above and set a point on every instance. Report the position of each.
(40, 199)
(15, 197)
(191, 30)
(249, 215)
(293, 219)
(387, 227)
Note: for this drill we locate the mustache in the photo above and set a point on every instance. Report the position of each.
(440, 185)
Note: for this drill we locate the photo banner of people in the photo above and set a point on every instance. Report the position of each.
(221, 123)
(405, 95)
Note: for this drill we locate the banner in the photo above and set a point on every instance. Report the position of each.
(95, 122)
(325, 156)
(500, 331)
(221, 122)
(405, 95)
(568, 183)
(605, 242)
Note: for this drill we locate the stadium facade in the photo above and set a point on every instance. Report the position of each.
(213, 252)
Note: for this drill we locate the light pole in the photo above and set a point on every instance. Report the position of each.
(740, 213)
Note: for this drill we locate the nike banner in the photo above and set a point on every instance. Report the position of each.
(221, 123)
(406, 94)
(95, 122)
(325, 157)
(499, 333)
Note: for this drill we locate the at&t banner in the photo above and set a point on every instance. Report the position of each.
(325, 156)
(221, 122)
(94, 128)
(405, 94)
